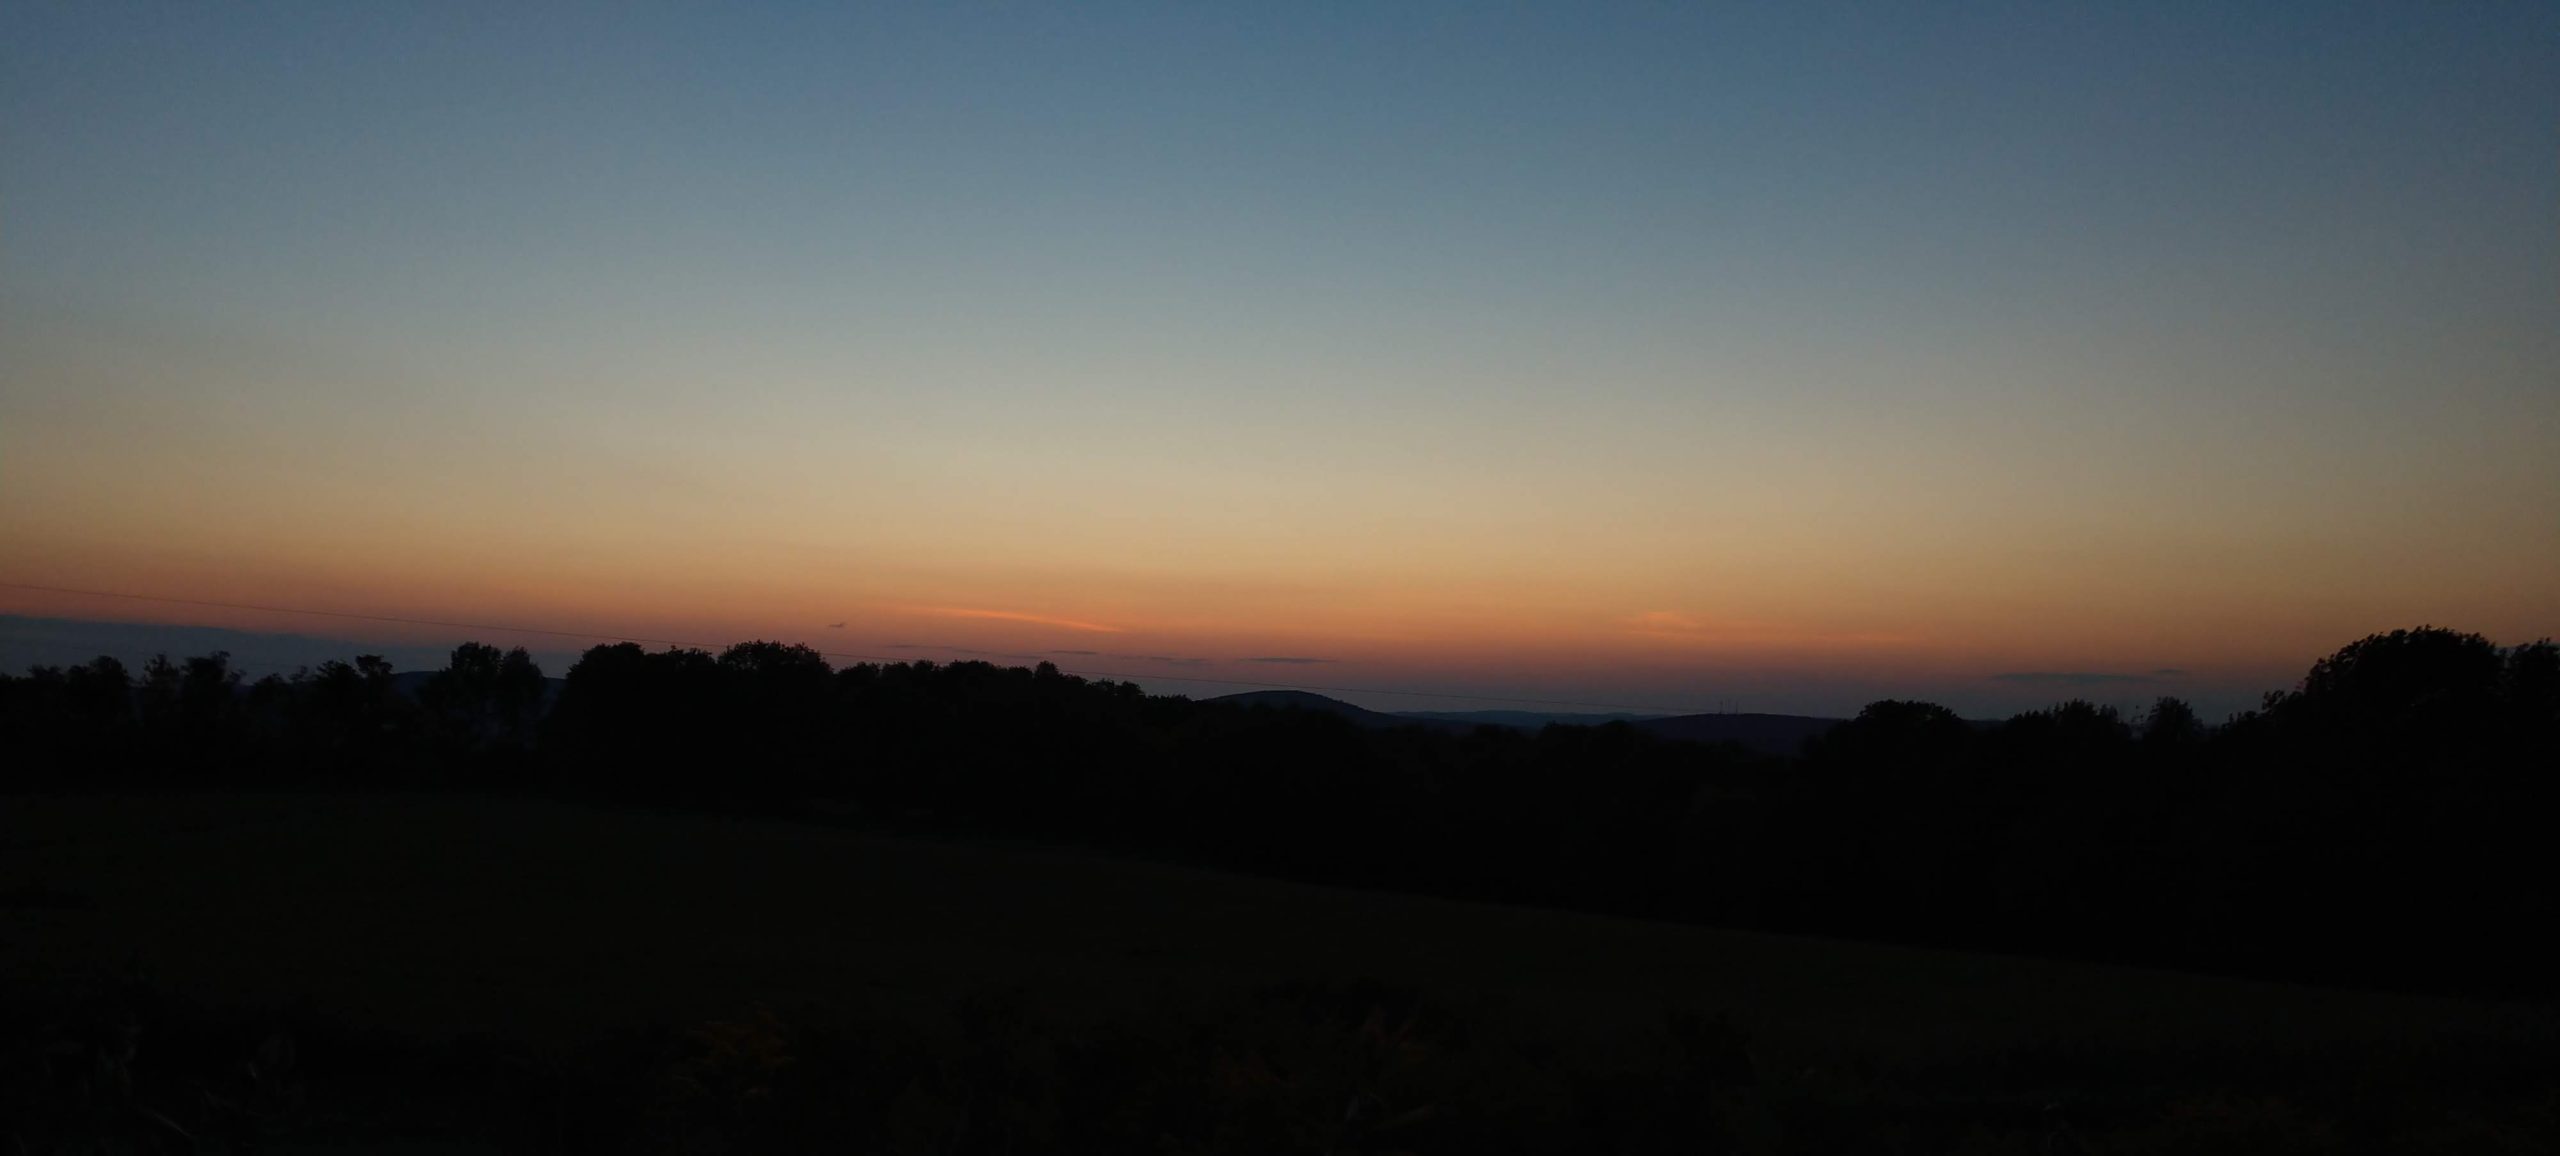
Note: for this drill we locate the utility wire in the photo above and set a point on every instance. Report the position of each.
(593, 635)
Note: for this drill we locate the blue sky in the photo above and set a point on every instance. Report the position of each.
(1563, 349)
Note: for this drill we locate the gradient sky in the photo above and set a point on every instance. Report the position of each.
(1778, 358)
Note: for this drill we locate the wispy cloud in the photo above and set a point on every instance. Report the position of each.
(971, 651)
(1170, 659)
(2088, 677)
(1017, 616)
(1078, 653)
(1685, 627)
(1289, 659)
(835, 626)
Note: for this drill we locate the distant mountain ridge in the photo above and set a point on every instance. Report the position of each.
(1530, 719)
(1310, 701)
(1773, 734)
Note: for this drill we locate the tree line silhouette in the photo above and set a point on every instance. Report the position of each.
(2388, 822)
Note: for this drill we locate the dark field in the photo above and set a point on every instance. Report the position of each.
(551, 926)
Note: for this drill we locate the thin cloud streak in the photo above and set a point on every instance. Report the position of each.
(1017, 616)
(969, 651)
(1171, 659)
(1690, 628)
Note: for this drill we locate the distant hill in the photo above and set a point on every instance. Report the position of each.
(1775, 734)
(1304, 700)
(1521, 719)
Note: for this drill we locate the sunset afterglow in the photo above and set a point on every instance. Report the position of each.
(1786, 359)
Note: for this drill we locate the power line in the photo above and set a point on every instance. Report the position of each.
(592, 635)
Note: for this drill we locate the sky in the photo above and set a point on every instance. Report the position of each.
(1667, 357)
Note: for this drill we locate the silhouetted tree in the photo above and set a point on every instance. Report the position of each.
(485, 699)
(2171, 723)
(2408, 683)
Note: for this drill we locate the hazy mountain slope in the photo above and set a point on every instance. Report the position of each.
(1522, 719)
(1776, 734)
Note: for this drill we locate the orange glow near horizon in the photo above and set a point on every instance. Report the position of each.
(1697, 368)
(1484, 638)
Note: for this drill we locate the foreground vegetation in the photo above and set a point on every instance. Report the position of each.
(1288, 1069)
(320, 968)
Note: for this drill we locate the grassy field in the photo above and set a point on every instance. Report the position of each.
(444, 917)
(444, 913)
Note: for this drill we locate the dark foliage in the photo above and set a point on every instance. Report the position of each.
(2385, 823)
